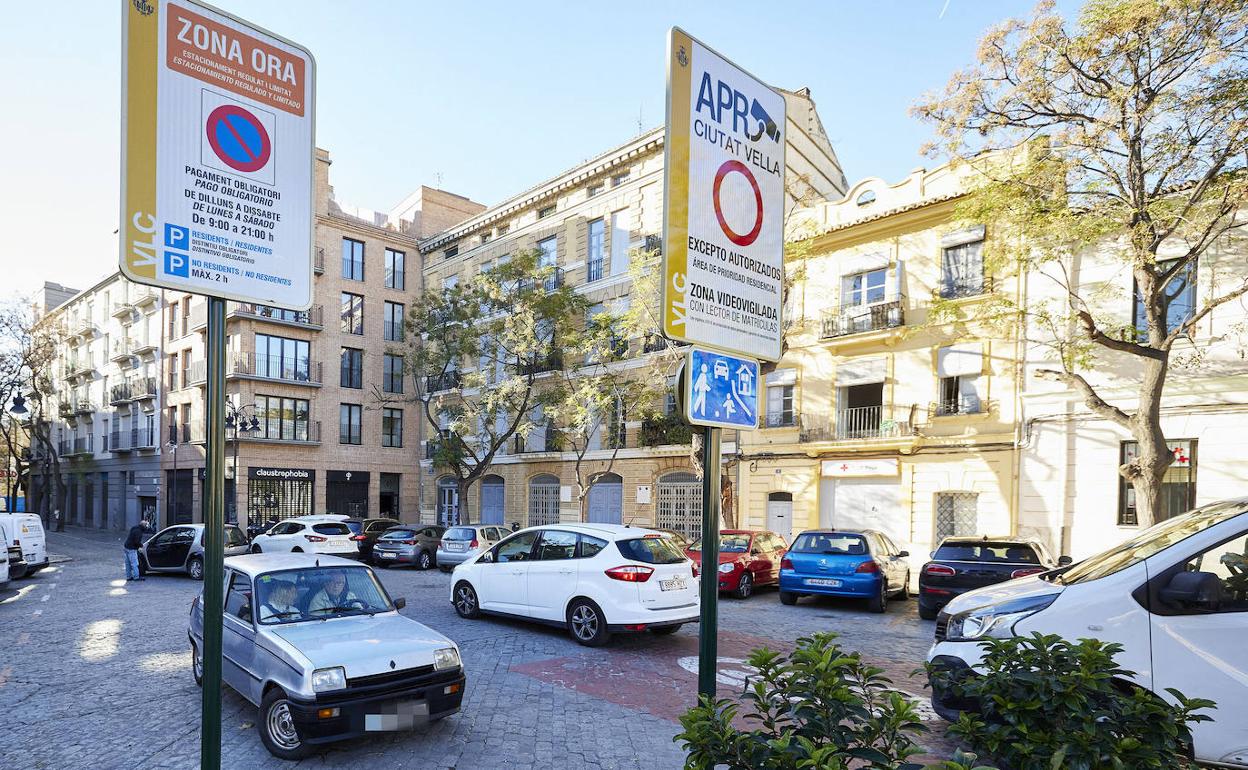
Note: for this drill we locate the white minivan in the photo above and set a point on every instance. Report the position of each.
(1175, 597)
(25, 530)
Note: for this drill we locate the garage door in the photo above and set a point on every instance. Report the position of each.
(864, 504)
(492, 500)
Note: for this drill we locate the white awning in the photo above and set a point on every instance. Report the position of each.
(959, 237)
(861, 371)
(782, 377)
(963, 359)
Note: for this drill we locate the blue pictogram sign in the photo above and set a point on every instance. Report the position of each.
(238, 138)
(721, 390)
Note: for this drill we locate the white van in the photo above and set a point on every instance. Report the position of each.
(4, 557)
(1175, 597)
(25, 530)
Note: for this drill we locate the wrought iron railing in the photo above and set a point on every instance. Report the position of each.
(855, 319)
(440, 382)
(965, 286)
(783, 419)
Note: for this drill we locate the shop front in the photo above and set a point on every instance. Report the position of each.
(346, 493)
(279, 493)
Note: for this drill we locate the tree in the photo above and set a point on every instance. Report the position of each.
(514, 322)
(1134, 121)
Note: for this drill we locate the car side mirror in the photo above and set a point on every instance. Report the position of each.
(903, 553)
(487, 557)
(400, 603)
(1065, 561)
(1194, 589)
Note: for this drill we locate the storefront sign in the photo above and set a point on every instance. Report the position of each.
(346, 477)
(851, 468)
(282, 474)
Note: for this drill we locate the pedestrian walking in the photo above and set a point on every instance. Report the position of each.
(134, 540)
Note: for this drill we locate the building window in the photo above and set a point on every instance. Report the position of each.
(957, 514)
(284, 419)
(352, 259)
(1178, 483)
(620, 178)
(173, 319)
(959, 368)
(173, 371)
(352, 313)
(392, 374)
(780, 388)
(352, 375)
(186, 368)
(962, 270)
(392, 325)
(1179, 297)
(620, 238)
(502, 229)
(866, 197)
(486, 236)
(282, 358)
(396, 272)
(594, 258)
(959, 395)
(549, 257)
(863, 288)
(186, 317)
(350, 420)
(593, 189)
(453, 251)
(545, 211)
(391, 427)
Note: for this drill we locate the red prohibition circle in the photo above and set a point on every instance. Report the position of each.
(243, 153)
(725, 170)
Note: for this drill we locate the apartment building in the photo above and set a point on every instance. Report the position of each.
(107, 402)
(588, 222)
(321, 416)
(882, 414)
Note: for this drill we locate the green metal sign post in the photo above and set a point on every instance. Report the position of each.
(214, 538)
(708, 625)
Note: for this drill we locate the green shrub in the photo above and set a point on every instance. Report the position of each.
(820, 708)
(1046, 703)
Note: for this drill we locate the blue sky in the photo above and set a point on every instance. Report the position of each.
(480, 98)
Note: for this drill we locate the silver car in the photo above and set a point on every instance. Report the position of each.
(458, 544)
(319, 646)
(180, 548)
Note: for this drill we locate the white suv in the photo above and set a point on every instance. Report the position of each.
(327, 533)
(594, 579)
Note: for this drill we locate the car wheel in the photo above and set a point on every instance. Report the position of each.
(927, 613)
(789, 598)
(665, 630)
(904, 593)
(587, 624)
(277, 727)
(256, 549)
(142, 566)
(424, 560)
(879, 602)
(195, 568)
(745, 587)
(197, 664)
(466, 603)
(296, 549)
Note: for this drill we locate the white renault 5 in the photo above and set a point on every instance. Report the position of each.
(594, 579)
(1175, 597)
(326, 533)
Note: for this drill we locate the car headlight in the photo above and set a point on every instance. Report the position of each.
(447, 657)
(326, 679)
(995, 620)
(727, 567)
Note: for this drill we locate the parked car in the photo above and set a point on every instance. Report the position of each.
(4, 557)
(308, 534)
(366, 531)
(25, 530)
(458, 544)
(259, 527)
(679, 538)
(863, 563)
(294, 625)
(408, 544)
(747, 559)
(961, 564)
(593, 579)
(1175, 597)
(180, 548)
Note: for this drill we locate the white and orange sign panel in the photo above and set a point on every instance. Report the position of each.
(218, 136)
(723, 250)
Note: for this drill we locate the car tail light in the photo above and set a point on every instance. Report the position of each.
(867, 567)
(786, 563)
(634, 626)
(631, 573)
(694, 564)
(408, 542)
(939, 570)
(474, 543)
(314, 538)
(1025, 571)
(358, 538)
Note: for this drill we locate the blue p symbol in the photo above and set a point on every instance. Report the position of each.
(175, 264)
(177, 237)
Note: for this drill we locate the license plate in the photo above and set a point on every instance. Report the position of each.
(401, 715)
(386, 555)
(454, 546)
(674, 584)
(828, 582)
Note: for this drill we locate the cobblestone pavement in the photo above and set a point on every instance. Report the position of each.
(95, 672)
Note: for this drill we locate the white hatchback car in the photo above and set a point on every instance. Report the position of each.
(326, 533)
(594, 579)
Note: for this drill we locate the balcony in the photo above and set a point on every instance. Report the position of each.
(184, 434)
(663, 431)
(84, 406)
(143, 296)
(248, 365)
(312, 318)
(65, 447)
(318, 262)
(856, 319)
(440, 382)
(115, 443)
(958, 406)
(553, 280)
(142, 348)
(123, 310)
(65, 409)
(81, 446)
(299, 433)
(120, 394)
(787, 419)
(83, 327)
(142, 388)
(82, 367)
(960, 288)
(593, 270)
(862, 423)
(551, 440)
(121, 352)
(551, 362)
(654, 342)
(144, 438)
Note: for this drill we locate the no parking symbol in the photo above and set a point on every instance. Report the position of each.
(238, 138)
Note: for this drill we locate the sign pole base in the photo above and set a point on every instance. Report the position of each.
(708, 625)
(214, 539)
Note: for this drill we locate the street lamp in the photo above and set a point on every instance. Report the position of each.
(18, 409)
(171, 515)
(236, 420)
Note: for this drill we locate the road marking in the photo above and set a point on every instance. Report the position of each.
(46, 597)
(37, 612)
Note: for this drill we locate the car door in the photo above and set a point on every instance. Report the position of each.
(162, 551)
(885, 558)
(180, 548)
(238, 636)
(504, 581)
(1199, 649)
(552, 574)
(760, 559)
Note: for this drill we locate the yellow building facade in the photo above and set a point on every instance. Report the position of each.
(892, 408)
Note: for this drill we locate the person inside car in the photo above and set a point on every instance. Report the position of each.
(333, 596)
(280, 603)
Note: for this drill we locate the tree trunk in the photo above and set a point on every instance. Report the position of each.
(461, 489)
(1153, 455)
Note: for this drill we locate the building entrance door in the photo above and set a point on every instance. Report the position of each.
(346, 493)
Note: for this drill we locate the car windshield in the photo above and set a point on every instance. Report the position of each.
(652, 549)
(1004, 553)
(1152, 540)
(727, 544)
(319, 593)
(356, 527)
(331, 528)
(460, 533)
(830, 543)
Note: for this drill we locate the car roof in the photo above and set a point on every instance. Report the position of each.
(839, 532)
(253, 564)
(986, 539)
(616, 531)
(321, 517)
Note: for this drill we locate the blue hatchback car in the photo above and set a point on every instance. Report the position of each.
(862, 563)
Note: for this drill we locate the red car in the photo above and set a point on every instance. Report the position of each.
(747, 558)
